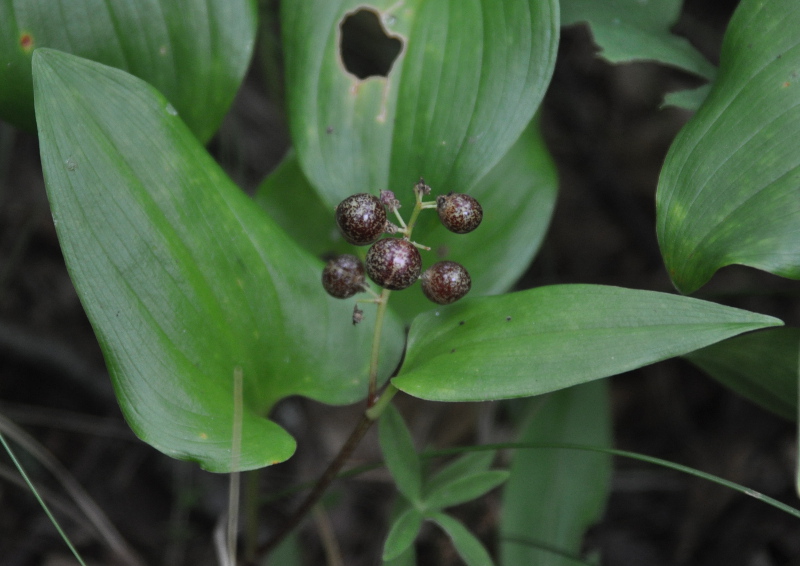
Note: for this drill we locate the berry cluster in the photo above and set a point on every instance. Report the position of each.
(395, 263)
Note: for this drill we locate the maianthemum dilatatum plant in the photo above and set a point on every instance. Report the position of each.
(193, 287)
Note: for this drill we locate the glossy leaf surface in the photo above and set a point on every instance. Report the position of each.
(728, 190)
(194, 51)
(632, 30)
(761, 366)
(549, 338)
(554, 495)
(468, 79)
(183, 277)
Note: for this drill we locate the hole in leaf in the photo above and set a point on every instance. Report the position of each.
(366, 49)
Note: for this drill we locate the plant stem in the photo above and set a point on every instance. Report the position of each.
(333, 469)
(375, 407)
(376, 347)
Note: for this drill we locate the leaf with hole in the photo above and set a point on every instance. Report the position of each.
(194, 51)
(554, 496)
(183, 277)
(728, 189)
(468, 78)
(549, 338)
(761, 366)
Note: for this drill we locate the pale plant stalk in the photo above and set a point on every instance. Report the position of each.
(235, 476)
(40, 500)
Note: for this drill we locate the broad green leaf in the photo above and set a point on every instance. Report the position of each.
(636, 30)
(399, 454)
(294, 205)
(549, 338)
(468, 79)
(194, 51)
(465, 489)
(728, 190)
(553, 496)
(183, 277)
(469, 463)
(761, 366)
(468, 547)
(518, 197)
(402, 533)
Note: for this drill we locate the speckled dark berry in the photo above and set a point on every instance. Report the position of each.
(343, 276)
(361, 218)
(458, 212)
(445, 282)
(393, 263)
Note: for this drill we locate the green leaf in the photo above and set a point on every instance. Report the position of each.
(469, 463)
(183, 277)
(728, 190)
(690, 99)
(402, 533)
(549, 338)
(468, 547)
(399, 454)
(518, 197)
(553, 496)
(194, 51)
(632, 30)
(465, 489)
(469, 78)
(761, 366)
(292, 202)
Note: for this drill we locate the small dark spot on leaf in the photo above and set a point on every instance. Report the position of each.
(779, 55)
(508, 319)
(26, 41)
(461, 323)
(366, 49)
(329, 130)
(453, 351)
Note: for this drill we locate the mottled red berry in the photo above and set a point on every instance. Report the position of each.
(458, 212)
(361, 218)
(343, 276)
(393, 263)
(445, 282)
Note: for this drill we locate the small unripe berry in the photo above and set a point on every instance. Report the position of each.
(361, 218)
(393, 263)
(458, 212)
(343, 276)
(445, 282)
